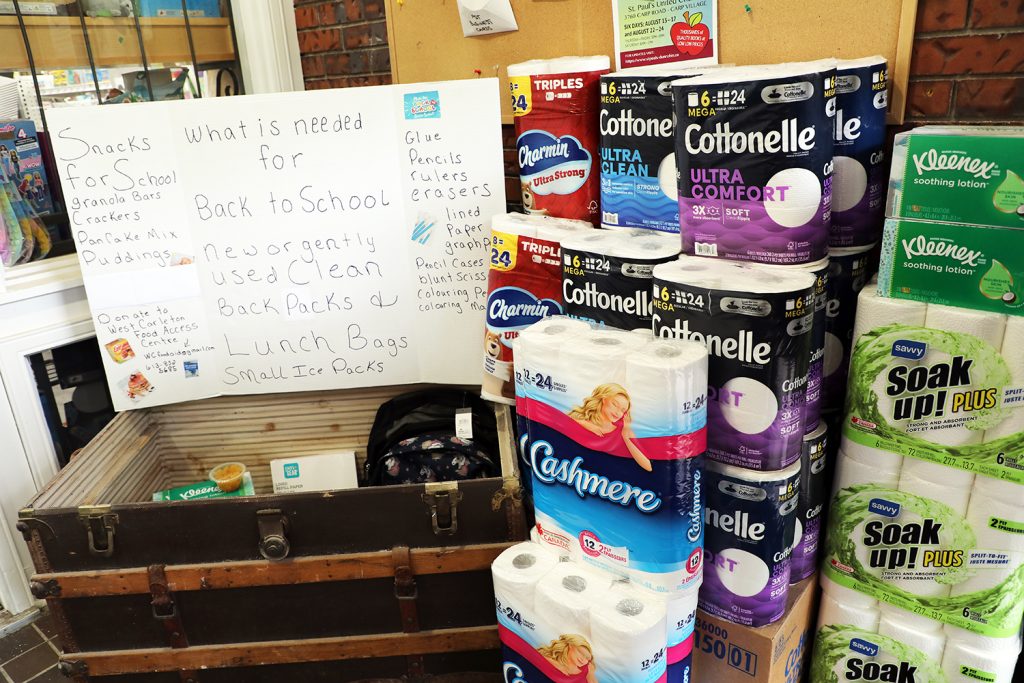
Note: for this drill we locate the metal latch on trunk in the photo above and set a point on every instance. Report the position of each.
(442, 498)
(273, 529)
(99, 523)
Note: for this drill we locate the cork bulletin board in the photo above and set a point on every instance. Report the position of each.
(426, 41)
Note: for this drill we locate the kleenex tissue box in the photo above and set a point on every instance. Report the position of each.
(327, 472)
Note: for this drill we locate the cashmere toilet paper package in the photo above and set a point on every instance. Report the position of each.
(859, 183)
(969, 175)
(638, 163)
(754, 152)
(565, 622)
(606, 276)
(849, 271)
(555, 105)
(522, 288)
(750, 520)
(756, 324)
(814, 495)
(615, 427)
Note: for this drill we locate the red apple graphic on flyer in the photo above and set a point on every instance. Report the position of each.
(690, 36)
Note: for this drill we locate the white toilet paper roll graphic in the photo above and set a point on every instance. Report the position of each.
(563, 599)
(628, 630)
(894, 623)
(516, 573)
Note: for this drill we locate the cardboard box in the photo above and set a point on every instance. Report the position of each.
(725, 652)
(205, 489)
(327, 472)
(969, 266)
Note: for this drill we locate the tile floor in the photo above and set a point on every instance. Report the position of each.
(30, 654)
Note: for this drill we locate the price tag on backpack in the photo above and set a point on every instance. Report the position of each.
(464, 423)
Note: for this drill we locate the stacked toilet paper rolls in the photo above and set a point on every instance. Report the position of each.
(522, 288)
(756, 323)
(555, 109)
(750, 522)
(616, 467)
(813, 497)
(816, 368)
(849, 271)
(861, 174)
(559, 620)
(607, 280)
(638, 163)
(754, 178)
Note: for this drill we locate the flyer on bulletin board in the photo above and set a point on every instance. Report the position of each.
(651, 32)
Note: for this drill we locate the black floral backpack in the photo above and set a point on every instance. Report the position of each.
(414, 440)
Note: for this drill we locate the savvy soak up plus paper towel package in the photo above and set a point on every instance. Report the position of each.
(615, 437)
(923, 577)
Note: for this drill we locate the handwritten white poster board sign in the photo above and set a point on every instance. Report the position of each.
(291, 242)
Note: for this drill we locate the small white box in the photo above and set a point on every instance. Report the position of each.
(326, 472)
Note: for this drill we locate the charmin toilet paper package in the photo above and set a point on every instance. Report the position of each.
(814, 495)
(615, 433)
(555, 104)
(565, 622)
(754, 154)
(970, 266)
(606, 276)
(849, 271)
(638, 163)
(860, 174)
(522, 288)
(939, 384)
(756, 324)
(749, 524)
(969, 175)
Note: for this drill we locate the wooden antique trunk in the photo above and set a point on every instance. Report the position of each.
(381, 584)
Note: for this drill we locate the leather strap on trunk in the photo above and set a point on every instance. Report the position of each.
(165, 610)
(406, 594)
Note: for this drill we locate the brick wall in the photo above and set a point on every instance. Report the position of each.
(343, 43)
(968, 62)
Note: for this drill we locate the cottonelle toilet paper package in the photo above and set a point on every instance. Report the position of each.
(615, 437)
(606, 276)
(814, 496)
(849, 271)
(859, 183)
(563, 621)
(638, 163)
(749, 521)
(522, 288)
(756, 324)
(754, 149)
(555, 105)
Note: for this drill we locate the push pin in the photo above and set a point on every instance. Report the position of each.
(747, 9)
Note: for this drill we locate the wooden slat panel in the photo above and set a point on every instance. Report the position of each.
(315, 569)
(117, 662)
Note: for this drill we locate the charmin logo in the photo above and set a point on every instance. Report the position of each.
(883, 507)
(864, 647)
(953, 161)
(943, 248)
(914, 350)
(422, 105)
(512, 673)
(515, 308)
(549, 469)
(552, 165)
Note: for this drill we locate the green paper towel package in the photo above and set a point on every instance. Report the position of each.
(972, 175)
(957, 265)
